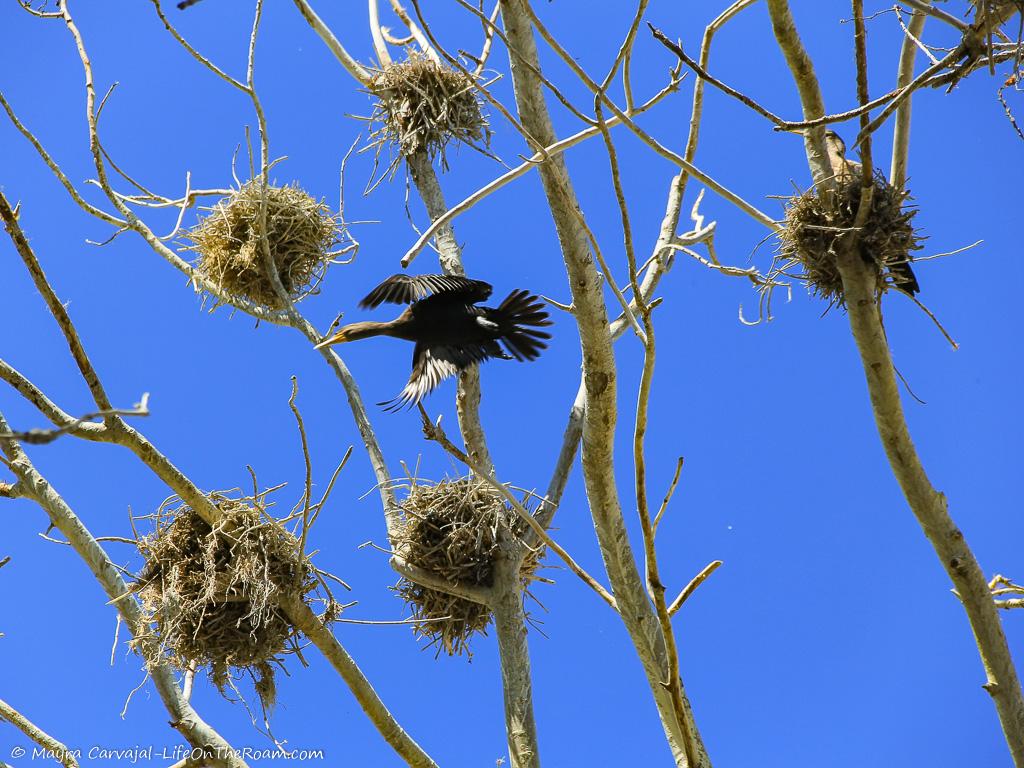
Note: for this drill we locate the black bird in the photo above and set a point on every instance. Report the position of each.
(903, 276)
(451, 332)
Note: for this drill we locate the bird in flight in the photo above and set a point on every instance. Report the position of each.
(849, 170)
(450, 330)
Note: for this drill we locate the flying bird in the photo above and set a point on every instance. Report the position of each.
(450, 330)
(848, 170)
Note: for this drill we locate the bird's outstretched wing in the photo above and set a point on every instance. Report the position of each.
(405, 289)
(433, 364)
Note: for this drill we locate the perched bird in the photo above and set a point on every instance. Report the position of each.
(844, 170)
(451, 332)
(848, 170)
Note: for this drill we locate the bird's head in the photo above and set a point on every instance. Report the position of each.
(354, 332)
(343, 335)
(835, 144)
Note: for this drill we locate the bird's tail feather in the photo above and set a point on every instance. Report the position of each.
(904, 278)
(520, 314)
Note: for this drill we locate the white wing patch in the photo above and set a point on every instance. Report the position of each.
(488, 324)
(428, 373)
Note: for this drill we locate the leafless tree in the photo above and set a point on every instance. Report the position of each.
(636, 591)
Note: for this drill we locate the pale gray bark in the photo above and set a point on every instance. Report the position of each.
(184, 718)
(928, 505)
(901, 129)
(516, 677)
(61, 753)
(467, 399)
(116, 430)
(599, 376)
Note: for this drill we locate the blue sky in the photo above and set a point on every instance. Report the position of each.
(828, 637)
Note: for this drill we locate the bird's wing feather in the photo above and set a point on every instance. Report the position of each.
(405, 289)
(432, 365)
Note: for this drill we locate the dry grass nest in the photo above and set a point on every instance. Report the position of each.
(301, 233)
(453, 530)
(813, 225)
(422, 105)
(213, 593)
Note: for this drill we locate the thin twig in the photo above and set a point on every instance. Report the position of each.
(193, 52)
(690, 588)
(645, 137)
(45, 436)
(905, 92)
(308, 487)
(668, 494)
(520, 170)
(434, 431)
(705, 75)
(52, 165)
(56, 307)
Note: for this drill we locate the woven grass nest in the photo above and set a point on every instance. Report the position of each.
(301, 233)
(213, 593)
(452, 530)
(813, 223)
(423, 105)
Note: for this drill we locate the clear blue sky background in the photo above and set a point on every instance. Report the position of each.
(828, 638)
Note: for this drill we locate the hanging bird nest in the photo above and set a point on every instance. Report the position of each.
(814, 223)
(300, 231)
(213, 593)
(422, 105)
(453, 530)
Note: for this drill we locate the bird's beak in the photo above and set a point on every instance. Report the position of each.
(338, 338)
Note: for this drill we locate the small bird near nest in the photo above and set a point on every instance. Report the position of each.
(848, 171)
(451, 332)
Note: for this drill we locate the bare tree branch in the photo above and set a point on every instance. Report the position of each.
(516, 678)
(927, 504)
(117, 431)
(705, 75)
(807, 84)
(433, 431)
(673, 682)
(641, 134)
(61, 753)
(598, 371)
(60, 314)
(357, 70)
(183, 717)
(520, 170)
(901, 129)
(312, 627)
(690, 588)
(45, 436)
